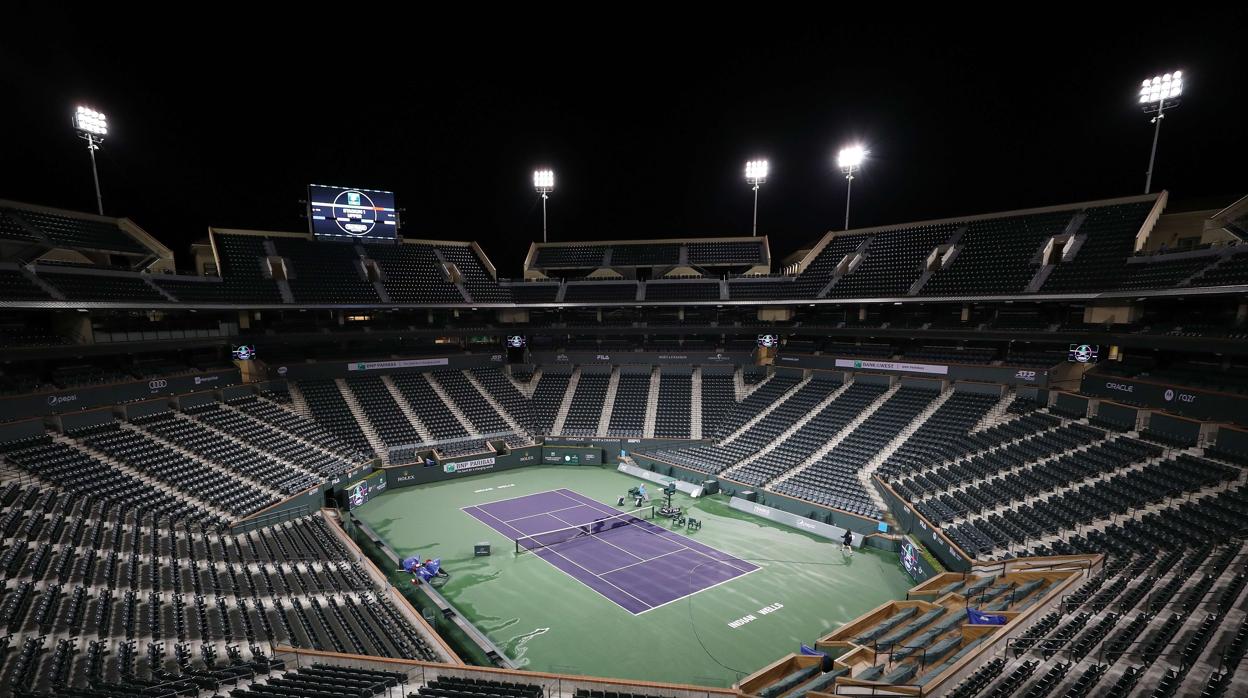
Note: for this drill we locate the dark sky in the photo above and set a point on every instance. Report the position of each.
(648, 128)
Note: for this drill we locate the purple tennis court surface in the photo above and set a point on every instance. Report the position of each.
(640, 566)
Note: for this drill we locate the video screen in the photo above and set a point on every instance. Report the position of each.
(355, 213)
(517, 348)
(1084, 353)
(910, 561)
(768, 341)
(360, 491)
(243, 352)
(358, 494)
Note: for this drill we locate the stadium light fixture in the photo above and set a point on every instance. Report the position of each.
(544, 183)
(850, 161)
(756, 174)
(1158, 94)
(92, 126)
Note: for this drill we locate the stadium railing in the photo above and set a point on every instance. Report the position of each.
(551, 683)
(407, 449)
(271, 518)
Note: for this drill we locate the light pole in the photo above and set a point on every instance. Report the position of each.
(756, 174)
(850, 161)
(92, 126)
(1156, 96)
(544, 183)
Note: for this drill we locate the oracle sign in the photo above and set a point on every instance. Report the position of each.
(1197, 404)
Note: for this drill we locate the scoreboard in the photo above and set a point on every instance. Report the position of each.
(1084, 353)
(360, 491)
(352, 213)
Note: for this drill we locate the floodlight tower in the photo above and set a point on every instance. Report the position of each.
(1156, 96)
(850, 161)
(92, 126)
(544, 183)
(756, 174)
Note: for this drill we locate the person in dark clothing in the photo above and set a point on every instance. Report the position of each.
(847, 542)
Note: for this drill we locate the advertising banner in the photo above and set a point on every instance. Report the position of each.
(932, 538)
(468, 466)
(419, 474)
(77, 399)
(338, 369)
(898, 366)
(700, 358)
(1197, 404)
(390, 365)
(792, 520)
(1008, 375)
(571, 455)
(688, 488)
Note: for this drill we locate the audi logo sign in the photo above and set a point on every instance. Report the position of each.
(159, 384)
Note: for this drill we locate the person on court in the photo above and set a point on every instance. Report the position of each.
(847, 543)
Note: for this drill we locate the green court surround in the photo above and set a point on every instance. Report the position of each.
(546, 621)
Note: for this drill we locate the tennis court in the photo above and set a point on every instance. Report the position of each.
(622, 556)
(544, 619)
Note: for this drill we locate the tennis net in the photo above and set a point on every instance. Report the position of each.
(545, 539)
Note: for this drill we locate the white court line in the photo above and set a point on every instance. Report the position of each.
(699, 591)
(545, 513)
(597, 507)
(599, 537)
(508, 499)
(642, 562)
(657, 534)
(661, 533)
(683, 547)
(564, 572)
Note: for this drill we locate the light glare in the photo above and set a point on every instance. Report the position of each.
(1163, 87)
(544, 180)
(90, 121)
(851, 157)
(756, 171)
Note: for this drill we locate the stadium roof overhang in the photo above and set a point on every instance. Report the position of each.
(150, 250)
(1110, 296)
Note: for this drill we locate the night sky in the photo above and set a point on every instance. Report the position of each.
(648, 129)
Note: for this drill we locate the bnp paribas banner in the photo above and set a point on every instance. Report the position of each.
(391, 365)
(1197, 404)
(419, 474)
(464, 467)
